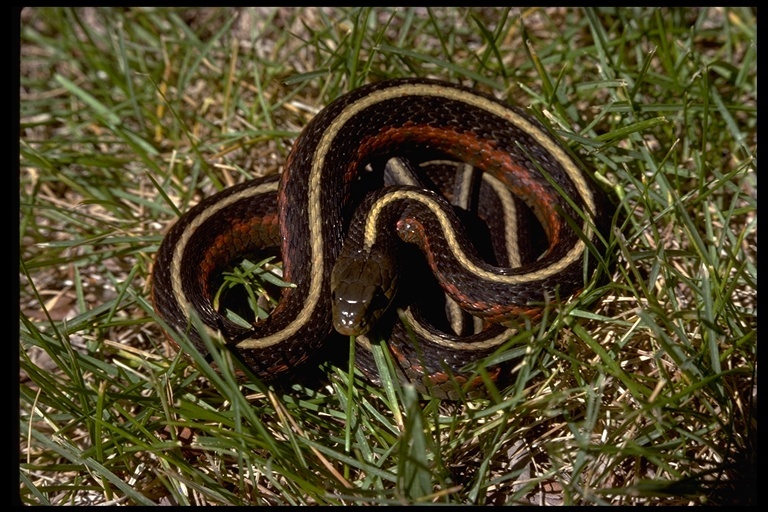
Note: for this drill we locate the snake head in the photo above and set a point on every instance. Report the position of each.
(363, 284)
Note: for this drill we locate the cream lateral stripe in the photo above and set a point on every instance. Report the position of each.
(423, 333)
(314, 206)
(478, 323)
(509, 209)
(464, 174)
(455, 314)
(181, 246)
(462, 189)
(464, 179)
(398, 170)
(370, 237)
(481, 102)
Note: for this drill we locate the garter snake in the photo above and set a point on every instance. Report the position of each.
(308, 213)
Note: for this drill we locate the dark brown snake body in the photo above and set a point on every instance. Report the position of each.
(311, 212)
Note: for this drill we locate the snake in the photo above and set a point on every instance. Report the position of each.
(340, 221)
